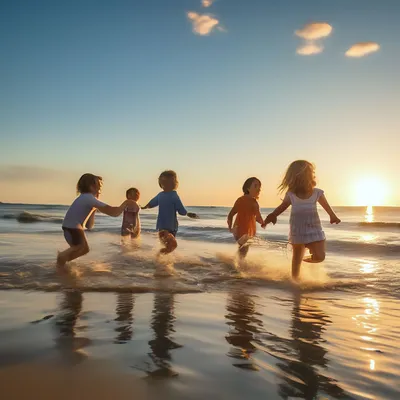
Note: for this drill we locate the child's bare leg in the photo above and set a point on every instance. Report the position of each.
(317, 251)
(80, 251)
(169, 242)
(297, 258)
(243, 250)
(72, 253)
(62, 256)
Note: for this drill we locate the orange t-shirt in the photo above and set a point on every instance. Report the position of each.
(245, 222)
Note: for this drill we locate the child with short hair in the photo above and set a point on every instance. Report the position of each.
(131, 221)
(169, 204)
(305, 225)
(247, 211)
(81, 215)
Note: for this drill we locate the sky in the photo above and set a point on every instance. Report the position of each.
(216, 90)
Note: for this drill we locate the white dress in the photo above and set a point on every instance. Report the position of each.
(305, 225)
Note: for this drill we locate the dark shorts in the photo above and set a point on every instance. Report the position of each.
(74, 237)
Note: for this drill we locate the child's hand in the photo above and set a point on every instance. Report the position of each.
(335, 220)
(270, 218)
(193, 215)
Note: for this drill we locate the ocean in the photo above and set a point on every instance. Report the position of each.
(254, 333)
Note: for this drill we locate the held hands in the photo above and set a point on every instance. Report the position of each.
(192, 215)
(270, 218)
(335, 220)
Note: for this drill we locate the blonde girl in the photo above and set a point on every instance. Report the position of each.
(305, 226)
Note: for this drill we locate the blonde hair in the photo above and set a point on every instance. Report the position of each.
(299, 178)
(170, 176)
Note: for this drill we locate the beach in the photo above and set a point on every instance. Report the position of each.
(208, 330)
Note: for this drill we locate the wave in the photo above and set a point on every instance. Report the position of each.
(380, 224)
(27, 217)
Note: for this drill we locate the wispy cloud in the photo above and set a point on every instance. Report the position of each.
(312, 34)
(362, 49)
(309, 49)
(202, 24)
(314, 31)
(207, 3)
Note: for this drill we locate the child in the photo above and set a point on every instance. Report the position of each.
(169, 204)
(305, 225)
(81, 214)
(248, 213)
(131, 222)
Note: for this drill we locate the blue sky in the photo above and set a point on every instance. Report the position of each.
(126, 89)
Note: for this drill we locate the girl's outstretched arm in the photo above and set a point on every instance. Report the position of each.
(114, 211)
(273, 217)
(325, 205)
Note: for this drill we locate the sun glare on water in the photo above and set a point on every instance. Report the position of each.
(370, 191)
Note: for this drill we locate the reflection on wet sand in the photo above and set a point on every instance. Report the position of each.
(124, 330)
(66, 323)
(244, 324)
(306, 355)
(162, 324)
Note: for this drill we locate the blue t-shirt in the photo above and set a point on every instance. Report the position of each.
(169, 204)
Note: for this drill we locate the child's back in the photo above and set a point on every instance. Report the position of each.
(169, 203)
(245, 222)
(130, 221)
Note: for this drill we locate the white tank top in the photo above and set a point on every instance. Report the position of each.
(305, 225)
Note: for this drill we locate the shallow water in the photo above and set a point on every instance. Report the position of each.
(209, 330)
(246, 341)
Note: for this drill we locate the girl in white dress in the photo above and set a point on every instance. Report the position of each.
(305, 225)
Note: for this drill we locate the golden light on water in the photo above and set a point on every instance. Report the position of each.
(368, 237)
(372, 365)
(369, 214)
(367, 267)
(370, 191)
(368, 323)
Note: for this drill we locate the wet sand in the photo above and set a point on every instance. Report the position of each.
(246, 342)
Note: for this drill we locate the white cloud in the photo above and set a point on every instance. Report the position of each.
(207, 3)
(314, 31)
(362, 49)
(309, 49)
(202, 24)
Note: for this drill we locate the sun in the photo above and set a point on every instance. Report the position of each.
(370, 191)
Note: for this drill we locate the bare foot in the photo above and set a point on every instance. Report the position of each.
(61, 261)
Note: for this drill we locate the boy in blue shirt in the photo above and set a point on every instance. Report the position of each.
(169, 204)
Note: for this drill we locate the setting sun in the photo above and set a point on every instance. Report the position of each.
(371, 191)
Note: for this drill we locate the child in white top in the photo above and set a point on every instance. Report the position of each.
(305, 225)
(81, 215)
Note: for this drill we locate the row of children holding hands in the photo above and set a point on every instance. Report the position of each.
(299, 185)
